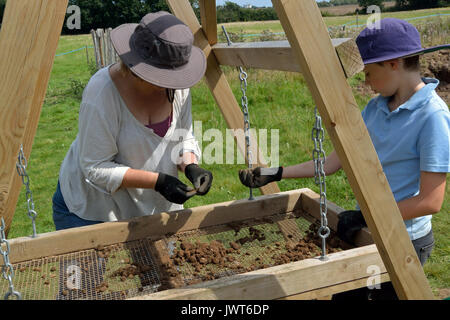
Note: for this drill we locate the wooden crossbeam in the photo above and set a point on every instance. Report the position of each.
(218, 84)
(311, 44)
(278, 55)
(28, 40)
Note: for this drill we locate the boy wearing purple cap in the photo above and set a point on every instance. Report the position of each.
(409, 125)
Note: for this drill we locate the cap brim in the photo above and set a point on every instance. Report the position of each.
(431, 49)
(407, 55)
(182, 77)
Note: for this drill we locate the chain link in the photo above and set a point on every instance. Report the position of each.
(21, 167)
(244, 104)
(317, 136)
(7, 268)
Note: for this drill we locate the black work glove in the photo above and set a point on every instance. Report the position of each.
(200, 178)
(173, 189)
(258, 177)
(349, 223)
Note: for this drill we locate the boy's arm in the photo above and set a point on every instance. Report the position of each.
(258, 177)
(306, 169)
(430, 198)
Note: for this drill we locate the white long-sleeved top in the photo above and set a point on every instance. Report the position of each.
(111, 140)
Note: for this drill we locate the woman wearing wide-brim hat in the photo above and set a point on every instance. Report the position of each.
(135, 129)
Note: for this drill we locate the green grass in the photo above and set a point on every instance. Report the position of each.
(277, 100)
(275, 26)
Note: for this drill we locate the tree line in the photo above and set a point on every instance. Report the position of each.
(112, 13)
(332, 3)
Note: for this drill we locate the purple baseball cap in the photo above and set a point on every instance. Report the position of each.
(395, 38)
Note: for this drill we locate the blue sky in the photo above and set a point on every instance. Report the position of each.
(258, 3)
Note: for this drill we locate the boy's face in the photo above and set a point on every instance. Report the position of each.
(382, 79)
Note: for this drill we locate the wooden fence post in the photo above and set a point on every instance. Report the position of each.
(96, 48)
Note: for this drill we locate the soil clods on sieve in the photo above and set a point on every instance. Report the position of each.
(209, 260)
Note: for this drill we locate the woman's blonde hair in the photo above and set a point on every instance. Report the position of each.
(124, 70)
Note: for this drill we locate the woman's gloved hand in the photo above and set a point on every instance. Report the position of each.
(200, 178)
(258, 177)
(173, 189)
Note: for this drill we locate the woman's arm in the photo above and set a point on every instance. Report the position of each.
(139, 179)
(430, 197)
(306, 169)
(187, 158)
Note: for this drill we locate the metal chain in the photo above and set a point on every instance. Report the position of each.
(244, 103)
(21, 166)
(7, 268)
(320, 179)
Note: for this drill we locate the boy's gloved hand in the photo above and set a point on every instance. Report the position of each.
(258, 177)
(200, 178)
(173, 189)
(349, 223)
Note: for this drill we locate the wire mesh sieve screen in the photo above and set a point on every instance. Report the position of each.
(95, 274)
(141, 267)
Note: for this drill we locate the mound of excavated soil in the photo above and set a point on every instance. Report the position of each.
(437, 65)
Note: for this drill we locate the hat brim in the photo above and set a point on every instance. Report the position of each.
(182, 77)
(407, 54)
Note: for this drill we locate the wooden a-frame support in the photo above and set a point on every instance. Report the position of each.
(24, 89)
(28, 40)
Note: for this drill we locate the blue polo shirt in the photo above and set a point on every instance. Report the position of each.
(415, 137)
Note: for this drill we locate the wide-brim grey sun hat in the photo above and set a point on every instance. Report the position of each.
(160, 50)
(392, 38)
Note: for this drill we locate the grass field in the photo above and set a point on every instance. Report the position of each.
(275, 26)
(349, 9)
(277, 100)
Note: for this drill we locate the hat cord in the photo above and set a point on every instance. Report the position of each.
(170, 94)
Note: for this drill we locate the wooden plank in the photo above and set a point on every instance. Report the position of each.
(278, 55)
(341, 287)
(218, 84)
(154, 227)
(283, 280)
(208, 16)
(341, 116)
(28, 40)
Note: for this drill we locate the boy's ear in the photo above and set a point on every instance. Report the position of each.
(393, 63)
